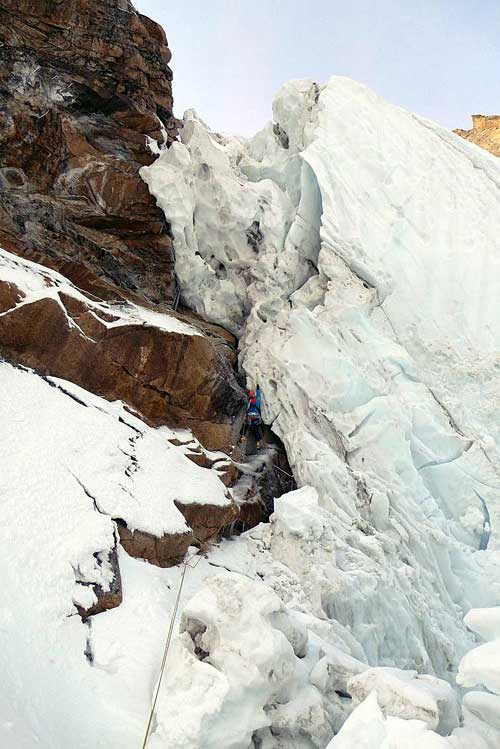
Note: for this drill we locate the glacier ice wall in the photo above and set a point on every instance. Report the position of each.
(353, 247)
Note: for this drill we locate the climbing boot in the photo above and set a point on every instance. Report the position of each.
(257, 444)
(243, 439)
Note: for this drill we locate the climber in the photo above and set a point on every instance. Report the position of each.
(253, 418)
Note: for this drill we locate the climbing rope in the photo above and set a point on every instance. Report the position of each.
(165, 653)
(185, 565)
(285, 472)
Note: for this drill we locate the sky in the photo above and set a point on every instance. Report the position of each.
(439, 58)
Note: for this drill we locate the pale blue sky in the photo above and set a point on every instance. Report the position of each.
(439, 58)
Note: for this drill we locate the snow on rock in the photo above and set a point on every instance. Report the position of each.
(353, 248)
(35, 282)
(166, 370)
(71, 463)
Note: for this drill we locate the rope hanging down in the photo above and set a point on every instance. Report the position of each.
(173, 618)
(165, 653)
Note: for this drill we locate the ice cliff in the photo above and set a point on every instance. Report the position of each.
(353, 248)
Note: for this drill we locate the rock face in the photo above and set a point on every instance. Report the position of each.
(163, 552)
(205, 521)
(82, 83)
(169, 372)
(87, 280)
(485, 132)
(106, 598)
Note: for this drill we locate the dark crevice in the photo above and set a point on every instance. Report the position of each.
(344, 695)
(88, 652)
(88, 494)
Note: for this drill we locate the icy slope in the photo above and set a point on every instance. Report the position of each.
(354, 248)
(256, 664)
(70, 463)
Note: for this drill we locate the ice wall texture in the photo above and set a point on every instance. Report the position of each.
(377, 722)
(354, 248)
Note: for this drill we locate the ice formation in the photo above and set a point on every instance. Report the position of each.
(371, 727)
(353, 248)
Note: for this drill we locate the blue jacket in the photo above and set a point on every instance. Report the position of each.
(254, 404)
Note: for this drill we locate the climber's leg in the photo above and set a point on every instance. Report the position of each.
(257, 428)
(244, 430)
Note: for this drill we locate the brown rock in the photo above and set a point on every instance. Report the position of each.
(167, 377)
(165, 551)
(228, 473)
(200, 458)
(10, 296)
(81, 85)
(251, 513)
(106, 599)
(207, 521)
(485, 132)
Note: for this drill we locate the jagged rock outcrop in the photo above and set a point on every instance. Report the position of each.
(162, 552)
(82, 83)
(105, 598)
(485, 132)
(87, 281)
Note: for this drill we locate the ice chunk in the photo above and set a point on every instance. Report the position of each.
(404, 694)
(243, 661)
(485, 622)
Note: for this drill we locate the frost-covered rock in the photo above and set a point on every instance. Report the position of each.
(72, 462)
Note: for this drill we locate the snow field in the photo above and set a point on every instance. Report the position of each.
(70, 462)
